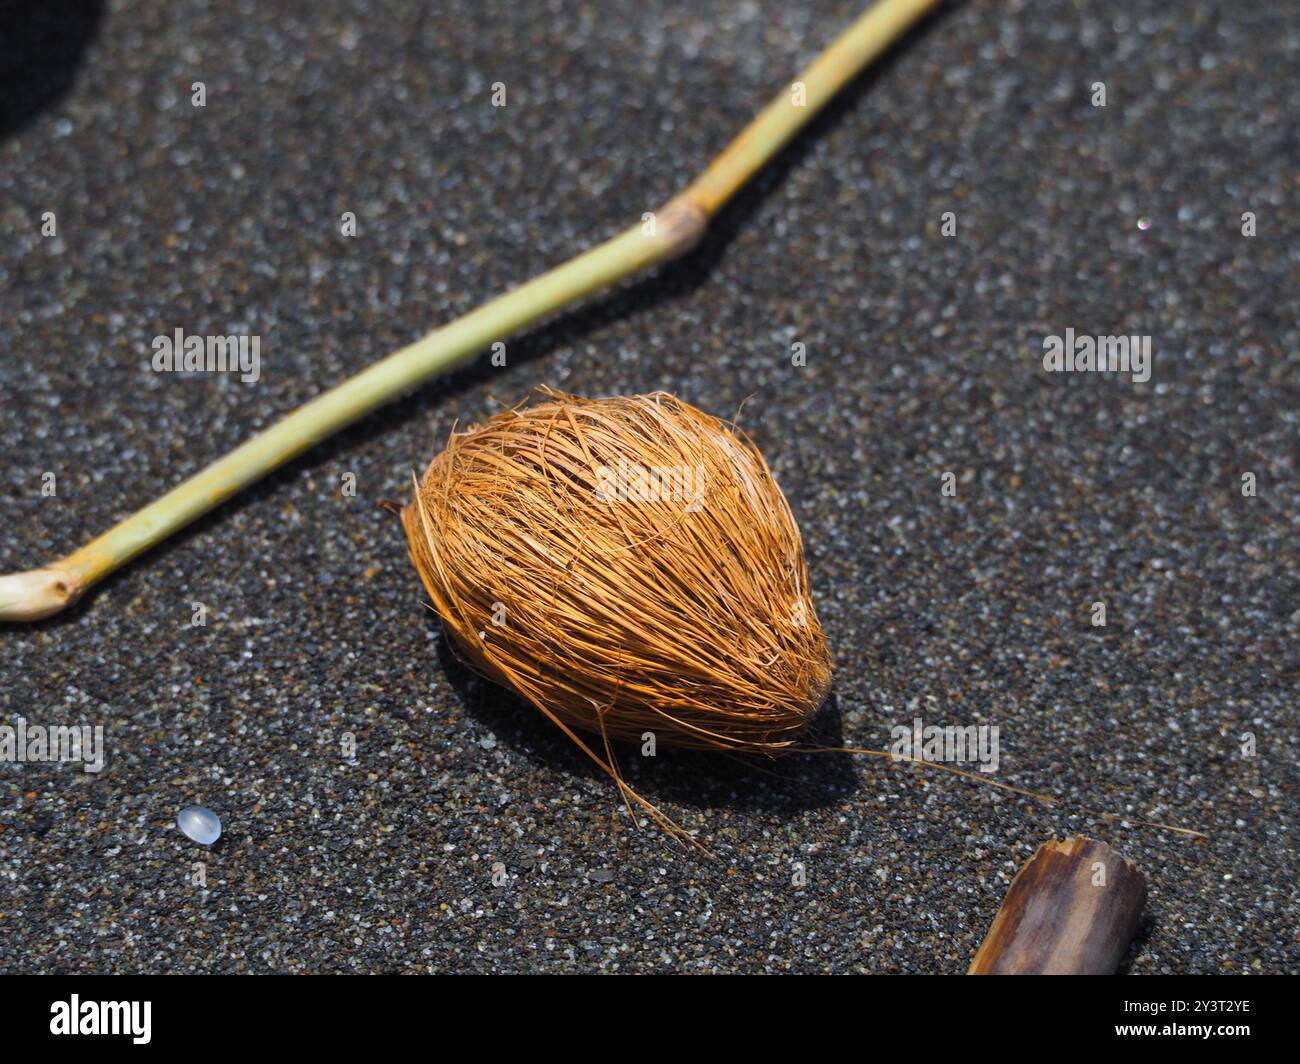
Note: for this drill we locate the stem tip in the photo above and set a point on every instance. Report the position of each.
(36, 594)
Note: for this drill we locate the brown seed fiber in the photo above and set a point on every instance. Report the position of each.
(645, 570)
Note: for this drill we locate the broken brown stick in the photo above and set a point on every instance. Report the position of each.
(1072, 910)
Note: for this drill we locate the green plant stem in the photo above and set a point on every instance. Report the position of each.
(676, 228)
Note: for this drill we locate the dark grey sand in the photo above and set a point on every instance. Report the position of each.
(923, 357)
